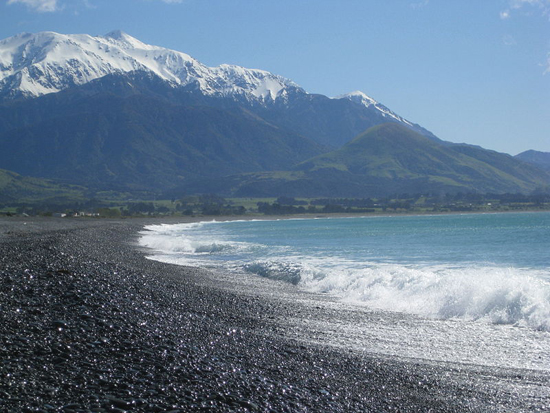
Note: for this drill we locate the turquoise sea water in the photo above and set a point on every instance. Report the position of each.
(490, 268)
(472, 290)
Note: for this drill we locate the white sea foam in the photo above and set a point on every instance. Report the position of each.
(492, 294)
(497, 295)
(186, 243)
(166, 238)
(472, 291)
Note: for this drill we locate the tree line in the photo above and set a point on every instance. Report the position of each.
(212, 205)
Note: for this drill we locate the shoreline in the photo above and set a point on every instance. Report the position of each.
(89, 324)
(253, 216)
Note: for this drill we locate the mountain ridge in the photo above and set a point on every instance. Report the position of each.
(112, 112)
(32, 65)
(52, 62)
(393, 151)
(117, 133)
(537, 158)
(385, 160)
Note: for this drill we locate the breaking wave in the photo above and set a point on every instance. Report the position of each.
(189, 240)
(493, 294)
(469, 291)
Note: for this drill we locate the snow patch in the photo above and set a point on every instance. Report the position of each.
(49, 62)
(365, 100)
(359, 97)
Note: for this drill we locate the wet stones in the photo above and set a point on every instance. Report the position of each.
(92, 326)
(60, 325)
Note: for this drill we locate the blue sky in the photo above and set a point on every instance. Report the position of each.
(474, 71)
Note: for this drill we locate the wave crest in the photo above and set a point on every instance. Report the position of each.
(279, 271)
(492, 294)
(513, 296)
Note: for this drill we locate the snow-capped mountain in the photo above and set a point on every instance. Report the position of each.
(33, 65)
(368, 102)
(47, 62)
(112, 113)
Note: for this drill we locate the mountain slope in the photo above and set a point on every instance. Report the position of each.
(330, 122)
(114, 132)
(112, 112)
(48, 62)
(395, 152)
(32, 65)
(389, 159)
(537, 158)
(16, 188)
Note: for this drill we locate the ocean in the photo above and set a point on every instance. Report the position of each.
(471, 288)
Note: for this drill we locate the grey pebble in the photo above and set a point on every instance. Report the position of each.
(100, 328)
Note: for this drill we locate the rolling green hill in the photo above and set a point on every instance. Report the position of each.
(537, 158)
(393, 151)
(391, 159)
(136, 133)
(17, 188)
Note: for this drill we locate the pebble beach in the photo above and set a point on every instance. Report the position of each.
(89, 324)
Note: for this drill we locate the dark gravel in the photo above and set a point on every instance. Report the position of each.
(87, 324)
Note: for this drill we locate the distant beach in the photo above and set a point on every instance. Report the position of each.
(88, 324)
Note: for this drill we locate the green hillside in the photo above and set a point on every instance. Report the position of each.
(135, 135)
(17, 188)
(391, 151)
(389, 159)
(537, 158)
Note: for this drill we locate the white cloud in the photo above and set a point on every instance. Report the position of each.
(38, 5)
(54, 5)
(420, 4)
(542, 5)
(88, 4)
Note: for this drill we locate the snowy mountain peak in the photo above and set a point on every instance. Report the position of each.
(261, 84)
(359, 97)
(47, 62)
(125, 41)
(118, 35)
(365, 100)
(32, 65)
